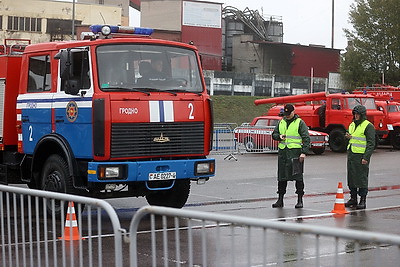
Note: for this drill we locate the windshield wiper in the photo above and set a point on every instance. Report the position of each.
(185, 91)
(116, 88)
(160, 90)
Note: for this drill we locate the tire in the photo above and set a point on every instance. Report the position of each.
(249, 144)
(337, 141)
(395, 138)
(175, 197)
(318, 151)
(55, 178)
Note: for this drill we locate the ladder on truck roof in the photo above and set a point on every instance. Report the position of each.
(14, 46)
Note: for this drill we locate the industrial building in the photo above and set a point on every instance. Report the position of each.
(233, 40)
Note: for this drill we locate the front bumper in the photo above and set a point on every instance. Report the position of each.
(139, 171)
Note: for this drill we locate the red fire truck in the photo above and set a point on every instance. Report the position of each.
(380, 92)
(80, 117)
(391, 110)
(330, 113)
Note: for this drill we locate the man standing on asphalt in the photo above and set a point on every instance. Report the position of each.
(294, 143)
(361, 135)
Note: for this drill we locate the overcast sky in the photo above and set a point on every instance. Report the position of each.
(304, 21)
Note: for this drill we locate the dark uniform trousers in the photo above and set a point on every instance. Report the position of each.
(299, 187)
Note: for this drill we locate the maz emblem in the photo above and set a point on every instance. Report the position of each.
(161, 139)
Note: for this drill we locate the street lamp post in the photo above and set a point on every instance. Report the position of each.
(333, 22)
(73, 20)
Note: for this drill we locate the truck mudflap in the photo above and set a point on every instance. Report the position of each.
(144, 171)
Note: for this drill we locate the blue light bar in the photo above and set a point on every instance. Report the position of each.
(121, 29)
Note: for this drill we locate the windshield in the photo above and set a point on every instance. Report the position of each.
(369, 103)
(393, 108)
(147, 68)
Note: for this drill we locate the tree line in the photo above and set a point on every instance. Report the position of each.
(373, 52)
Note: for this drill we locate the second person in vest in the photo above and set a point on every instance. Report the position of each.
(361, 137)
(294, 143)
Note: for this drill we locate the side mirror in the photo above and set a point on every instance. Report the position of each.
(69, 82)
(72, 86)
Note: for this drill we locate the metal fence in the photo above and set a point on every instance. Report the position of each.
(35, 232)
(194, 238)
(40, 228)
(231, 140)
(251, 139)
(224, 141)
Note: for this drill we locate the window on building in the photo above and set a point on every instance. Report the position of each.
(39, 78)
(59, 26)
(1, 22)
(101, 2)
(24, 24)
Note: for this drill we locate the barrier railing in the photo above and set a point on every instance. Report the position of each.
(224, 141)
(251, 139)
(33, 233)
(194, 238)
(35, 230)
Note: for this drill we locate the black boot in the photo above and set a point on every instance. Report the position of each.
(299, 204)
(279, 202)
(362, 205)
(352, 202)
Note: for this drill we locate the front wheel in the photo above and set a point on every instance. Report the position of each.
(337, 140)
(55, 178)
(175, 197)
(395, 138)
(249, 144)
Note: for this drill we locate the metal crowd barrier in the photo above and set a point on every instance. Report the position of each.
(35, 233)
(194, 238)
(250, 139)
(224, 141)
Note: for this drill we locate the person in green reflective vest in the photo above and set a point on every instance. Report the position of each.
(361, 135)
(294, 143)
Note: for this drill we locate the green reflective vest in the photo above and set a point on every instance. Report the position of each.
(358, 141)
(293, 138)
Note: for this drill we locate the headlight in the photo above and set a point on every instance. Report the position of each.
(326, 138)
(206, 167)
(111, 172)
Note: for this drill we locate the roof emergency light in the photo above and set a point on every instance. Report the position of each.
(107, 30)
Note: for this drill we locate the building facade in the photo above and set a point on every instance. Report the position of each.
(187, 21)
(255, 56)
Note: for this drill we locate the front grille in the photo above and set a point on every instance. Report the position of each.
(317, 138)
(137, 139)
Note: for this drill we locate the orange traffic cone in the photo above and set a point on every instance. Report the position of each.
(71, 231)
(339, 202)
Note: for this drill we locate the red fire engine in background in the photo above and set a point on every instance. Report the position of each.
(387, 98)
(82, 117)
(330, 113)
(380, 92)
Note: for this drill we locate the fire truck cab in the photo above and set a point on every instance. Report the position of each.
(85, 117)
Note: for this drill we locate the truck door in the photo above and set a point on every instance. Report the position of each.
(35, 105)
(73, 113)
(337, 112)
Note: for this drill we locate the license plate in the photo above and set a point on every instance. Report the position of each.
(318, 144)
(162, 176)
